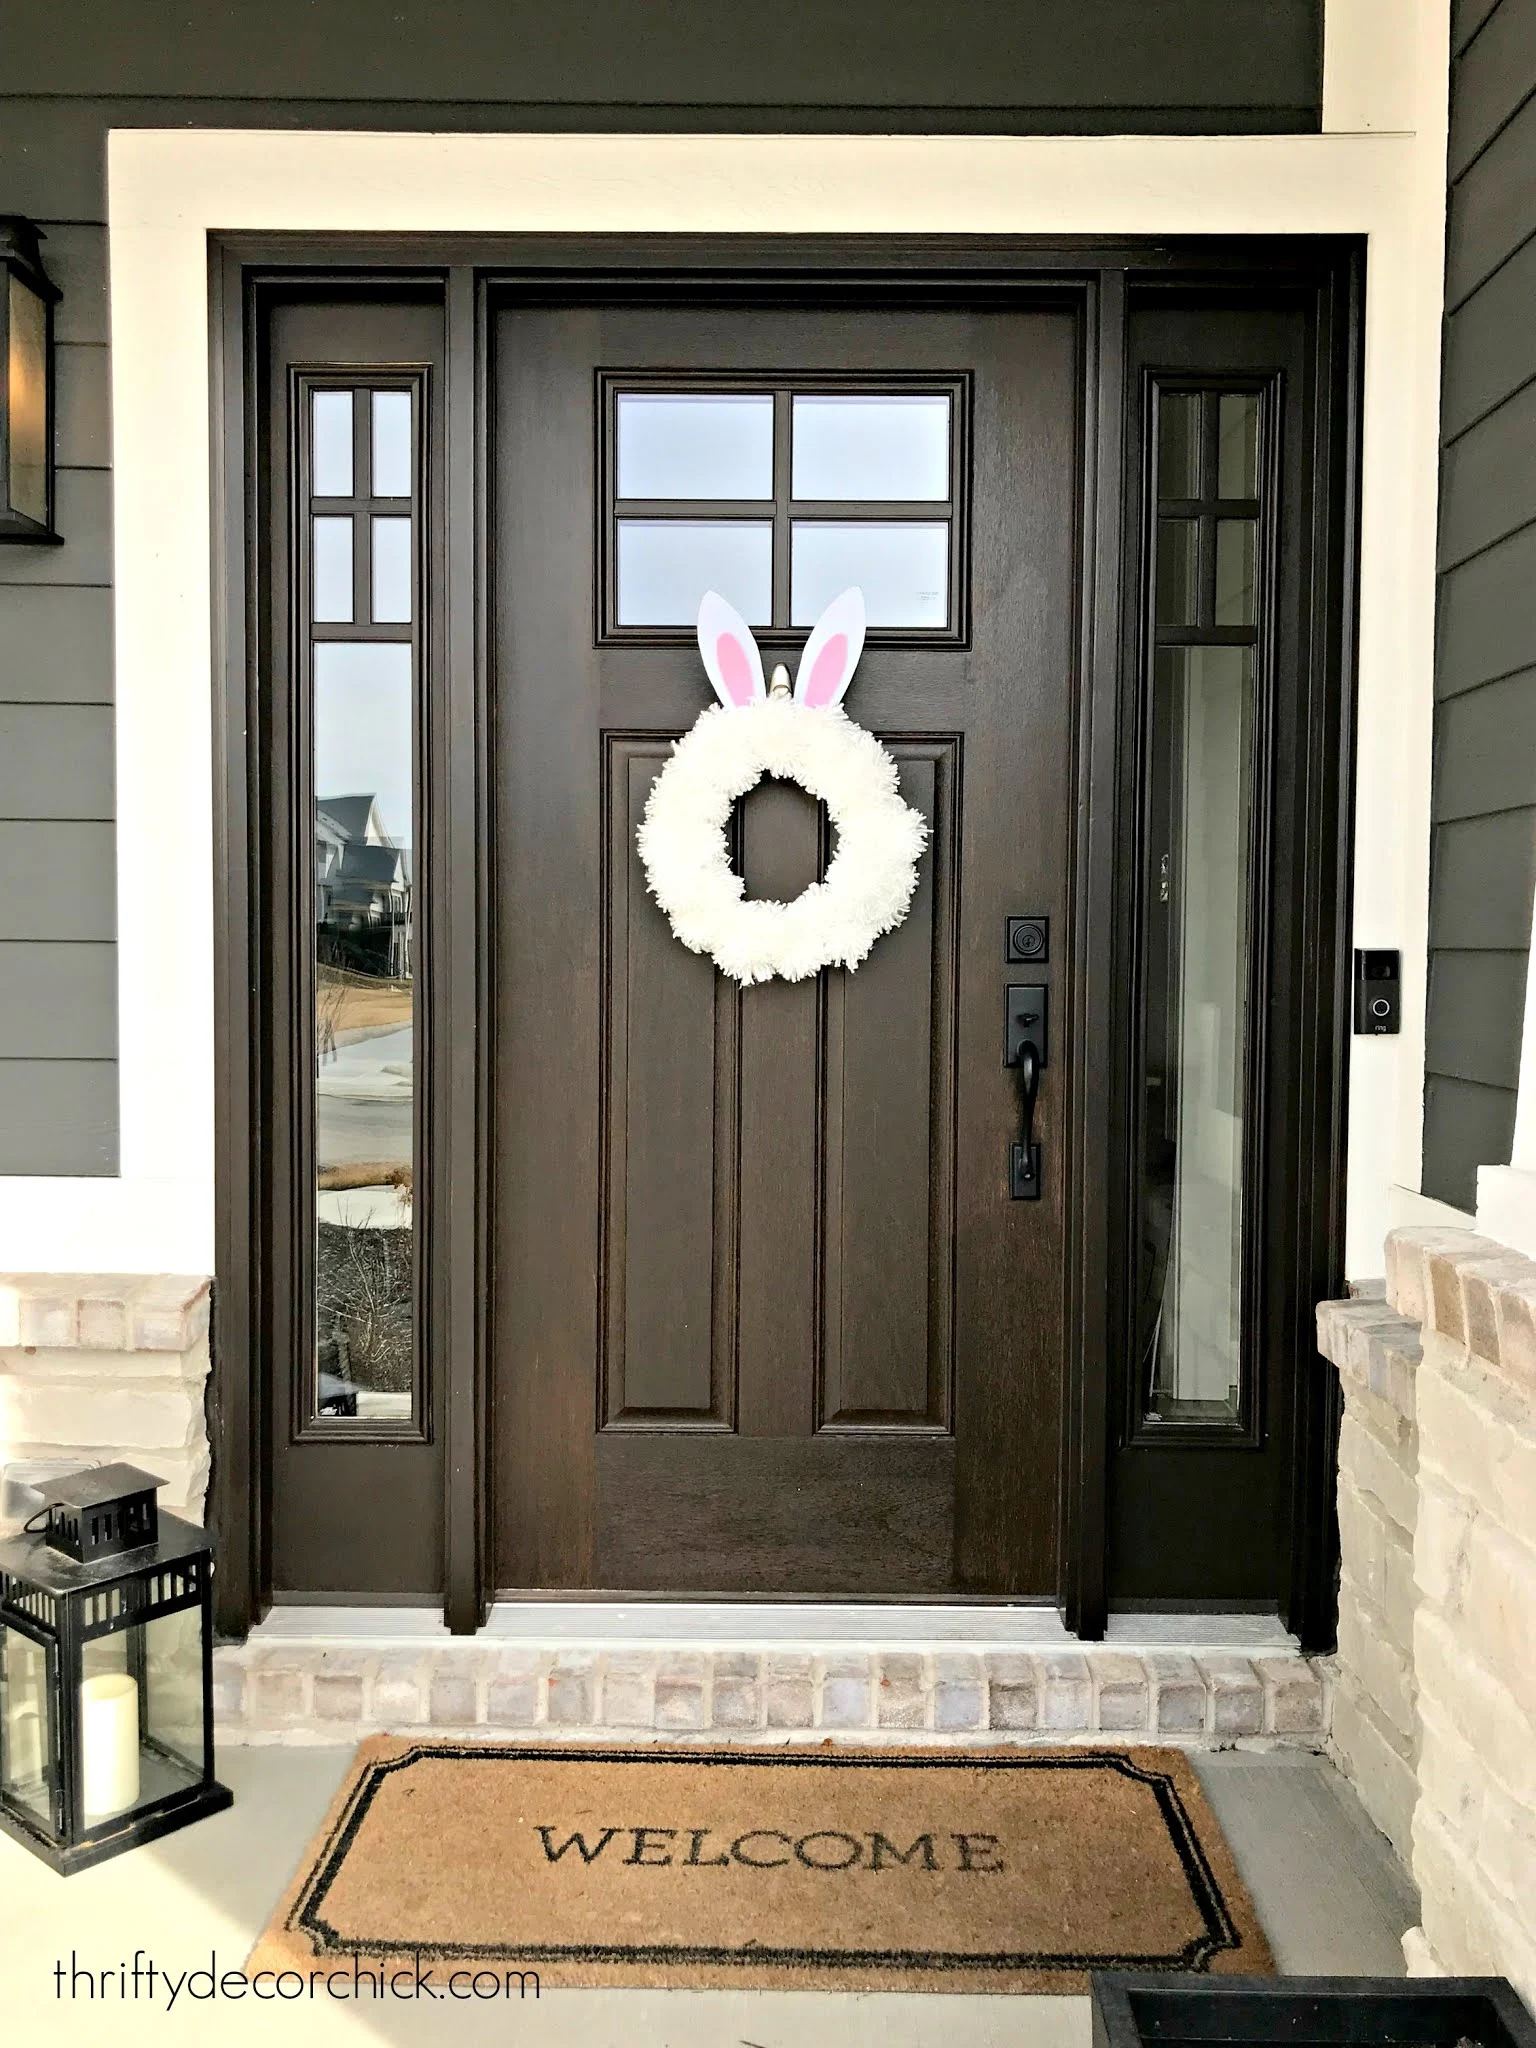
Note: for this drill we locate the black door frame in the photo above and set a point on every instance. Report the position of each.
(247, 272)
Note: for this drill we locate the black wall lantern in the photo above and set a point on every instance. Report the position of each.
(27, 301)
(106, 1672)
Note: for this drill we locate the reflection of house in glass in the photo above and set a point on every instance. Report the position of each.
(362, 889)
(364, 1093)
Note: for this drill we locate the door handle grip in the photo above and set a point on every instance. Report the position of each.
(1024, 1157)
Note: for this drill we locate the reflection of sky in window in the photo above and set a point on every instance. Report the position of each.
(363, 727)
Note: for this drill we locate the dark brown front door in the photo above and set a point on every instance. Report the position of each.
(765, 1318)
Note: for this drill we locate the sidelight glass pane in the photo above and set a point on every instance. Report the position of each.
(1178, 572)
(392, 453)
(364, 845)
(902, 566)
(331, 575)
(331, 444)
(392, 572)
(1178, 445)
(1238, 453)
(695, 445)
(892, 446)
(1197, 894)
(666, 565)
(1234, 572)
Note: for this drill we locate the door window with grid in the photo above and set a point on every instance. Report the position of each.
(781, 495)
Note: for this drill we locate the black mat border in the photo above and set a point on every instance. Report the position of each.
(1219, 1933)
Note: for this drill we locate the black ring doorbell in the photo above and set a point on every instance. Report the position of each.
(1378, 992)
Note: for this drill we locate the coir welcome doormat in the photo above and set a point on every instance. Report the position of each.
(833, 1869)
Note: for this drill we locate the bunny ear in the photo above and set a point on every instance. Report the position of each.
(832, 652)
(730, 653)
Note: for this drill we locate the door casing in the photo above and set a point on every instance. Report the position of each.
(472, 274)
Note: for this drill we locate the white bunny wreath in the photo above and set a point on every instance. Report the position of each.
(754, 731)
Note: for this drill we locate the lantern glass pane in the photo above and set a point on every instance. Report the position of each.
(26, 1724)
(173, 1688)
(27, 393)
(140, 1714)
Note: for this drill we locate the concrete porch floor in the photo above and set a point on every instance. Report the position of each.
(1331, 1895)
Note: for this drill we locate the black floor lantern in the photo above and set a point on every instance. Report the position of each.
(106, 1672)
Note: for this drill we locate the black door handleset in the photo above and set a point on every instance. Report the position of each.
(1026, 1047)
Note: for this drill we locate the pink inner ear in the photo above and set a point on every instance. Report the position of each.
(735, 669)
(826, 672)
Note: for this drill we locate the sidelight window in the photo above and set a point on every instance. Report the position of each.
(780, 495)
(359, 487)
(1198, 916)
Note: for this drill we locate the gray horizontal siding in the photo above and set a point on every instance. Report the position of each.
(1493, 206)
(1467, 17)
(1465, 1126)
(1483, 845)
(1487, 343)
(1487, 624)
(1470, 995)
(688, 56)
(75, 255)
(1494, 76)
(84, 406)
(55, 761)
(83, 514)
(60, 881)
(58, 1001)
(1485, 749)
(58, 913)
(55, 645)
(1488, 479)
(1483, 871)
(58, 1116)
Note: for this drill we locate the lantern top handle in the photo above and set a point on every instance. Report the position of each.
(19, 251)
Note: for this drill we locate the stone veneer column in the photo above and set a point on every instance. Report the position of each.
(1474, 1628)
(1375, 1733)
(101, 1367)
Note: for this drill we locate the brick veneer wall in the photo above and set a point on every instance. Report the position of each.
(101, 1367)
(1474, 1592)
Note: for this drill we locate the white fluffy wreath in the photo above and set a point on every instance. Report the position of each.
(868, 884)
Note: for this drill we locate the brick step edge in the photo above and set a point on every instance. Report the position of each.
(310, 1693)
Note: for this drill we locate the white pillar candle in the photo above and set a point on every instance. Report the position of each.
(109, 1744)
(24, 1735)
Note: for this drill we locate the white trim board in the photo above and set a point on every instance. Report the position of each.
(167, 190)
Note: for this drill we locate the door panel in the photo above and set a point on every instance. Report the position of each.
(766, 1319)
